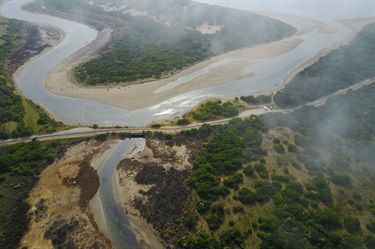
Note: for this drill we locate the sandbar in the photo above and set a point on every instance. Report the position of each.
(132, 97)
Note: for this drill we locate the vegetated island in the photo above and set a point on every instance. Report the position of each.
(127, 96)
(153, 40)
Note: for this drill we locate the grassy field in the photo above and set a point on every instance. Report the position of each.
(37, 120)
(31, 115)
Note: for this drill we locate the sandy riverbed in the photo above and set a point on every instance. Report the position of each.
(62, 199)
(132, 97)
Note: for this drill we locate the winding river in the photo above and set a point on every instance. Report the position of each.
(76, 111)
(269, 72)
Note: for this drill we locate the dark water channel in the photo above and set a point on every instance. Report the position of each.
(117, 224)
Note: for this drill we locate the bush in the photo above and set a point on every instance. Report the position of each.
(279, 148)
(261, 170)
(264, 190)
(268, 224)
(238, 209)
(352, 224)
(369, 241)
(234, 181)
(357, 196)
(292, 148)
(341, 180)
(213, 221)
(295, 186)
(280, 178)
(183, 121)
(371, 226)
(231, 238)
(249, 171)
(204, 206)
(328, 219)
(246, 196)
(190, 221)
(218, 210)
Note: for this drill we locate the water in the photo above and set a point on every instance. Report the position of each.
(315, 9)
(118, 226)
(269, 72)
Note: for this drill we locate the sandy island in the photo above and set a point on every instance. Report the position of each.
(131, 97)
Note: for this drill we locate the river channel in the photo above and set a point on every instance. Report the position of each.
(117, 224)
(76, 111)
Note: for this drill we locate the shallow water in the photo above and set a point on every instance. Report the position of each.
(118, 226)
(76, 111)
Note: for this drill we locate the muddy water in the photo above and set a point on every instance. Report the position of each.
(118, 227)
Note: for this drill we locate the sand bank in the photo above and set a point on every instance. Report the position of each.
(55, 202)
(132, 97)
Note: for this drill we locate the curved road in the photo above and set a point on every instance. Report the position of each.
(87, 132)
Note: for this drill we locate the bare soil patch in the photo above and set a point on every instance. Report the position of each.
(153, 189)
(60, 216)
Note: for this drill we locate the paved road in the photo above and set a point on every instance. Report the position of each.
(87, 132)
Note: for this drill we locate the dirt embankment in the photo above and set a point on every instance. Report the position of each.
(153, 190)
(60, 214)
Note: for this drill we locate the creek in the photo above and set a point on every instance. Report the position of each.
(117, 224)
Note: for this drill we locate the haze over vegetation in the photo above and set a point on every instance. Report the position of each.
(304, 179)
(154, 39)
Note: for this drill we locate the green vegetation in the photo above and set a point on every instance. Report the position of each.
(261, 99)
(314, 191)
(20, 166)
(18, 117)
(145, 49)
(11, 108)
(222, 155)
(212, 110)
(339, 69)
(3, 28)
(183, 121)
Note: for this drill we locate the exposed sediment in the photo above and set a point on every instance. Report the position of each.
(153, 190)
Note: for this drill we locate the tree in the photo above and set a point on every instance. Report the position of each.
(352, 224)
(246, 196)
(328, 219)
(231, 238)
(183, 121)
(371, 226)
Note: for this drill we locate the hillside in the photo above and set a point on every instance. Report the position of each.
(339, 69)
(154, 39)
(260, 184)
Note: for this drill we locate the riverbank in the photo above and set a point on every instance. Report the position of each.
(60, 201)
(132, 97)
(152, 205)
(354, 24)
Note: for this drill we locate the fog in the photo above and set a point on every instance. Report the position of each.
(326, 9)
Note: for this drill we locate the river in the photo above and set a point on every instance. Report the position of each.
(117, 224)
(30, 79)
